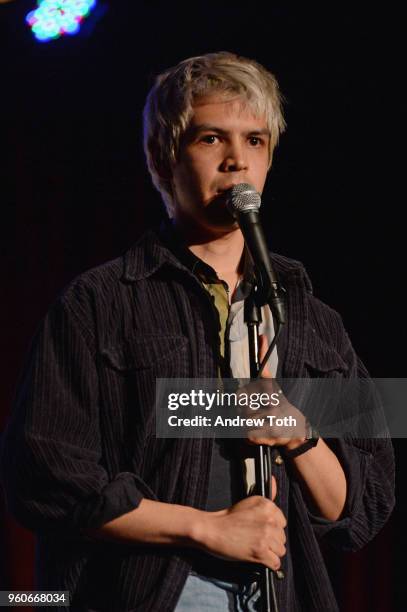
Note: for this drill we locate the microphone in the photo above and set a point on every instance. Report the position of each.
(243, 202)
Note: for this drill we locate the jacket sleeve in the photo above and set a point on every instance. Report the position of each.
(369, 468)
(51, 456)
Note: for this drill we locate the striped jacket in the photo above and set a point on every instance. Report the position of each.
(80, 447)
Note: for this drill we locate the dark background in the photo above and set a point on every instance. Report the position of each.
(76, 192)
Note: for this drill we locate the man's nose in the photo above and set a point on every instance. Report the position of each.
(234, 160)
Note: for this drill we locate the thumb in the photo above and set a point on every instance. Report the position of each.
(263, 348)
(273, 488)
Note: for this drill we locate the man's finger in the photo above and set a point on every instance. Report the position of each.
(263, 348)
(273, 488)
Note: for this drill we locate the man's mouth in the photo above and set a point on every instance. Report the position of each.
(226, 188)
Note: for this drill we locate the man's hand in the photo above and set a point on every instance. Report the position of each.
(251, 530)
(318, 471)
(272, 435)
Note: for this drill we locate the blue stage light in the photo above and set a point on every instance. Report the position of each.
(54, 18)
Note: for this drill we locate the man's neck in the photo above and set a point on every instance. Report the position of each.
(222, 252)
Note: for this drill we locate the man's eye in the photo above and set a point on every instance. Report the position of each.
(209, 138)
(255, 141)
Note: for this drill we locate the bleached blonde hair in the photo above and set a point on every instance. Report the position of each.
(169, 106)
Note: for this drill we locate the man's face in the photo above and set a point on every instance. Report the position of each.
(225, 144)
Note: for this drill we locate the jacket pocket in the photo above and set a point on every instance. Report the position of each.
(323, 358)
(144, 350)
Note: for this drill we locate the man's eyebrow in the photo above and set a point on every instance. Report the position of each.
(206, 127)
(262, 132)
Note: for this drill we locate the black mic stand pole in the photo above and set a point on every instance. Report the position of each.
(252, 317)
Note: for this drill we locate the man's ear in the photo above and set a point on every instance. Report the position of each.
(270, 161)
(164, 171)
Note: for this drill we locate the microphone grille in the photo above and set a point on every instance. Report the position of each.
(243, 198)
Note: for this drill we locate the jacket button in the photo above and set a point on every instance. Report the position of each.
(278, 460)
(280, 574)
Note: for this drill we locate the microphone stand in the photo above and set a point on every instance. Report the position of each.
(252, 317)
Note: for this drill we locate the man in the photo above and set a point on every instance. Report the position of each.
(127, 521)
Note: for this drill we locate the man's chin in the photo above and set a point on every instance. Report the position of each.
(218, 216)
(213, 221)
(220, 225)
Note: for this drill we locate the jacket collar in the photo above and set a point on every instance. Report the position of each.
(149, 254)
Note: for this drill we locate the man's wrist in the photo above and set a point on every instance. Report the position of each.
(299, 449)
(294, 443)
(200, 529)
